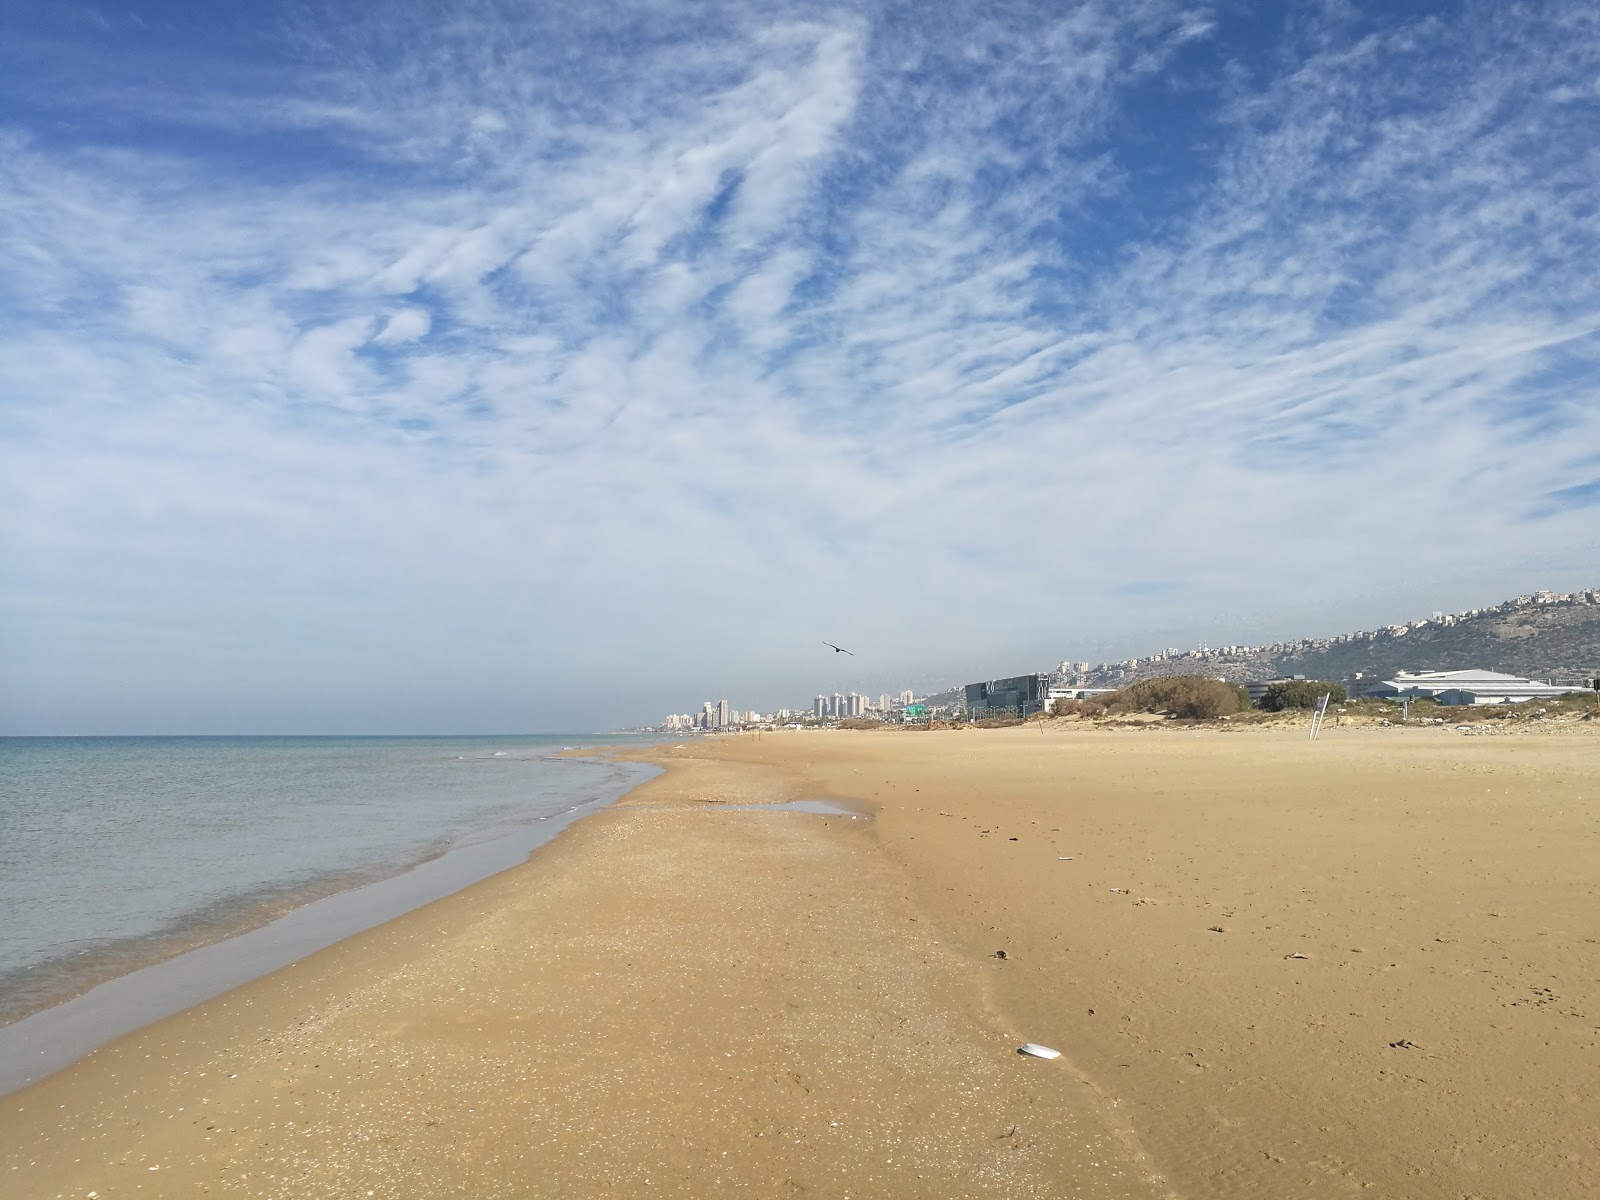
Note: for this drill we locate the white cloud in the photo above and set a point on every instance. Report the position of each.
(563, 350)
(406, 325)
(322, 360)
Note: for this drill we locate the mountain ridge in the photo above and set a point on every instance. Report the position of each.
(1542, 635)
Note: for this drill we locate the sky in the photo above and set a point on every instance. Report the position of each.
(513, 366)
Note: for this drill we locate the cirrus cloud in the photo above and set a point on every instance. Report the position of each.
(360, 379)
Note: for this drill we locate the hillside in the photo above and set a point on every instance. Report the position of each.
(1542, 636)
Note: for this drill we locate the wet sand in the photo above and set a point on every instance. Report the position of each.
(682, 997)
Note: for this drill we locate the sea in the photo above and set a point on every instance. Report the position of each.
(120, 853)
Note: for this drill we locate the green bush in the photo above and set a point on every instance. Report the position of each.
(1192, 697)
(1300, 693)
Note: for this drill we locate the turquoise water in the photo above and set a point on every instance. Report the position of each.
(117, 852)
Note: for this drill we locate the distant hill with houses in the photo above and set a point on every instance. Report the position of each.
(1546, 635)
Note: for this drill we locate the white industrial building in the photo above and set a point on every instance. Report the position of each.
(1469, 687)
(1072, 693)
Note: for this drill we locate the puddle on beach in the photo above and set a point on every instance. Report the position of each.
(821, 808)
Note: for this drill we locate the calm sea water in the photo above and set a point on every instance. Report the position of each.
(116, 852)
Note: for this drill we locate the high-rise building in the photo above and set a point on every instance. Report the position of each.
(838, 708)
(722, 714)
(906, 697)
(883, 703)
(857, 705)
(819, 707)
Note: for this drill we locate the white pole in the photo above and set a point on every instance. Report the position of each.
(1318, 714)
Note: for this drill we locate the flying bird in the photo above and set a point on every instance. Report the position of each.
(839, 649)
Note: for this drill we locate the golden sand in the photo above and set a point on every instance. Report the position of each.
(1362, 966)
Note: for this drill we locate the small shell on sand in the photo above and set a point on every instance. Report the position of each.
(1035, 1050)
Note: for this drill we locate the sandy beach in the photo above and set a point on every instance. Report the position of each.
(1369, 965)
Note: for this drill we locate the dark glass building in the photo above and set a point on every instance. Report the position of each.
(1020, 695)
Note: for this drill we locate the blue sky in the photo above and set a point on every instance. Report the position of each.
(503, 366)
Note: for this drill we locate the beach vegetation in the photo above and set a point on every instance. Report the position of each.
(1579, 706)
(1187, 697)
(1077, 708)
(1300, 693)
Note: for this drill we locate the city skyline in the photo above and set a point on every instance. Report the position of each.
(719, 714)
(1202, 659)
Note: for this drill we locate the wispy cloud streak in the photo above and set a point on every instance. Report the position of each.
(408, 339)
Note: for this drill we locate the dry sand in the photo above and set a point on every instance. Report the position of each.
(682, 998)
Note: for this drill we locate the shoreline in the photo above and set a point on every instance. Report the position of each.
(234, 918)
(45, 967)
(1273, 967)
(51, 1038)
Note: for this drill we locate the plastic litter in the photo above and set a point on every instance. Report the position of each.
(1034, 1050)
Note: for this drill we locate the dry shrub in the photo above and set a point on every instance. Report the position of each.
(1190, 697)
(1300, 693)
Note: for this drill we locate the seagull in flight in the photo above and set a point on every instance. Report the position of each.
(839, 649)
